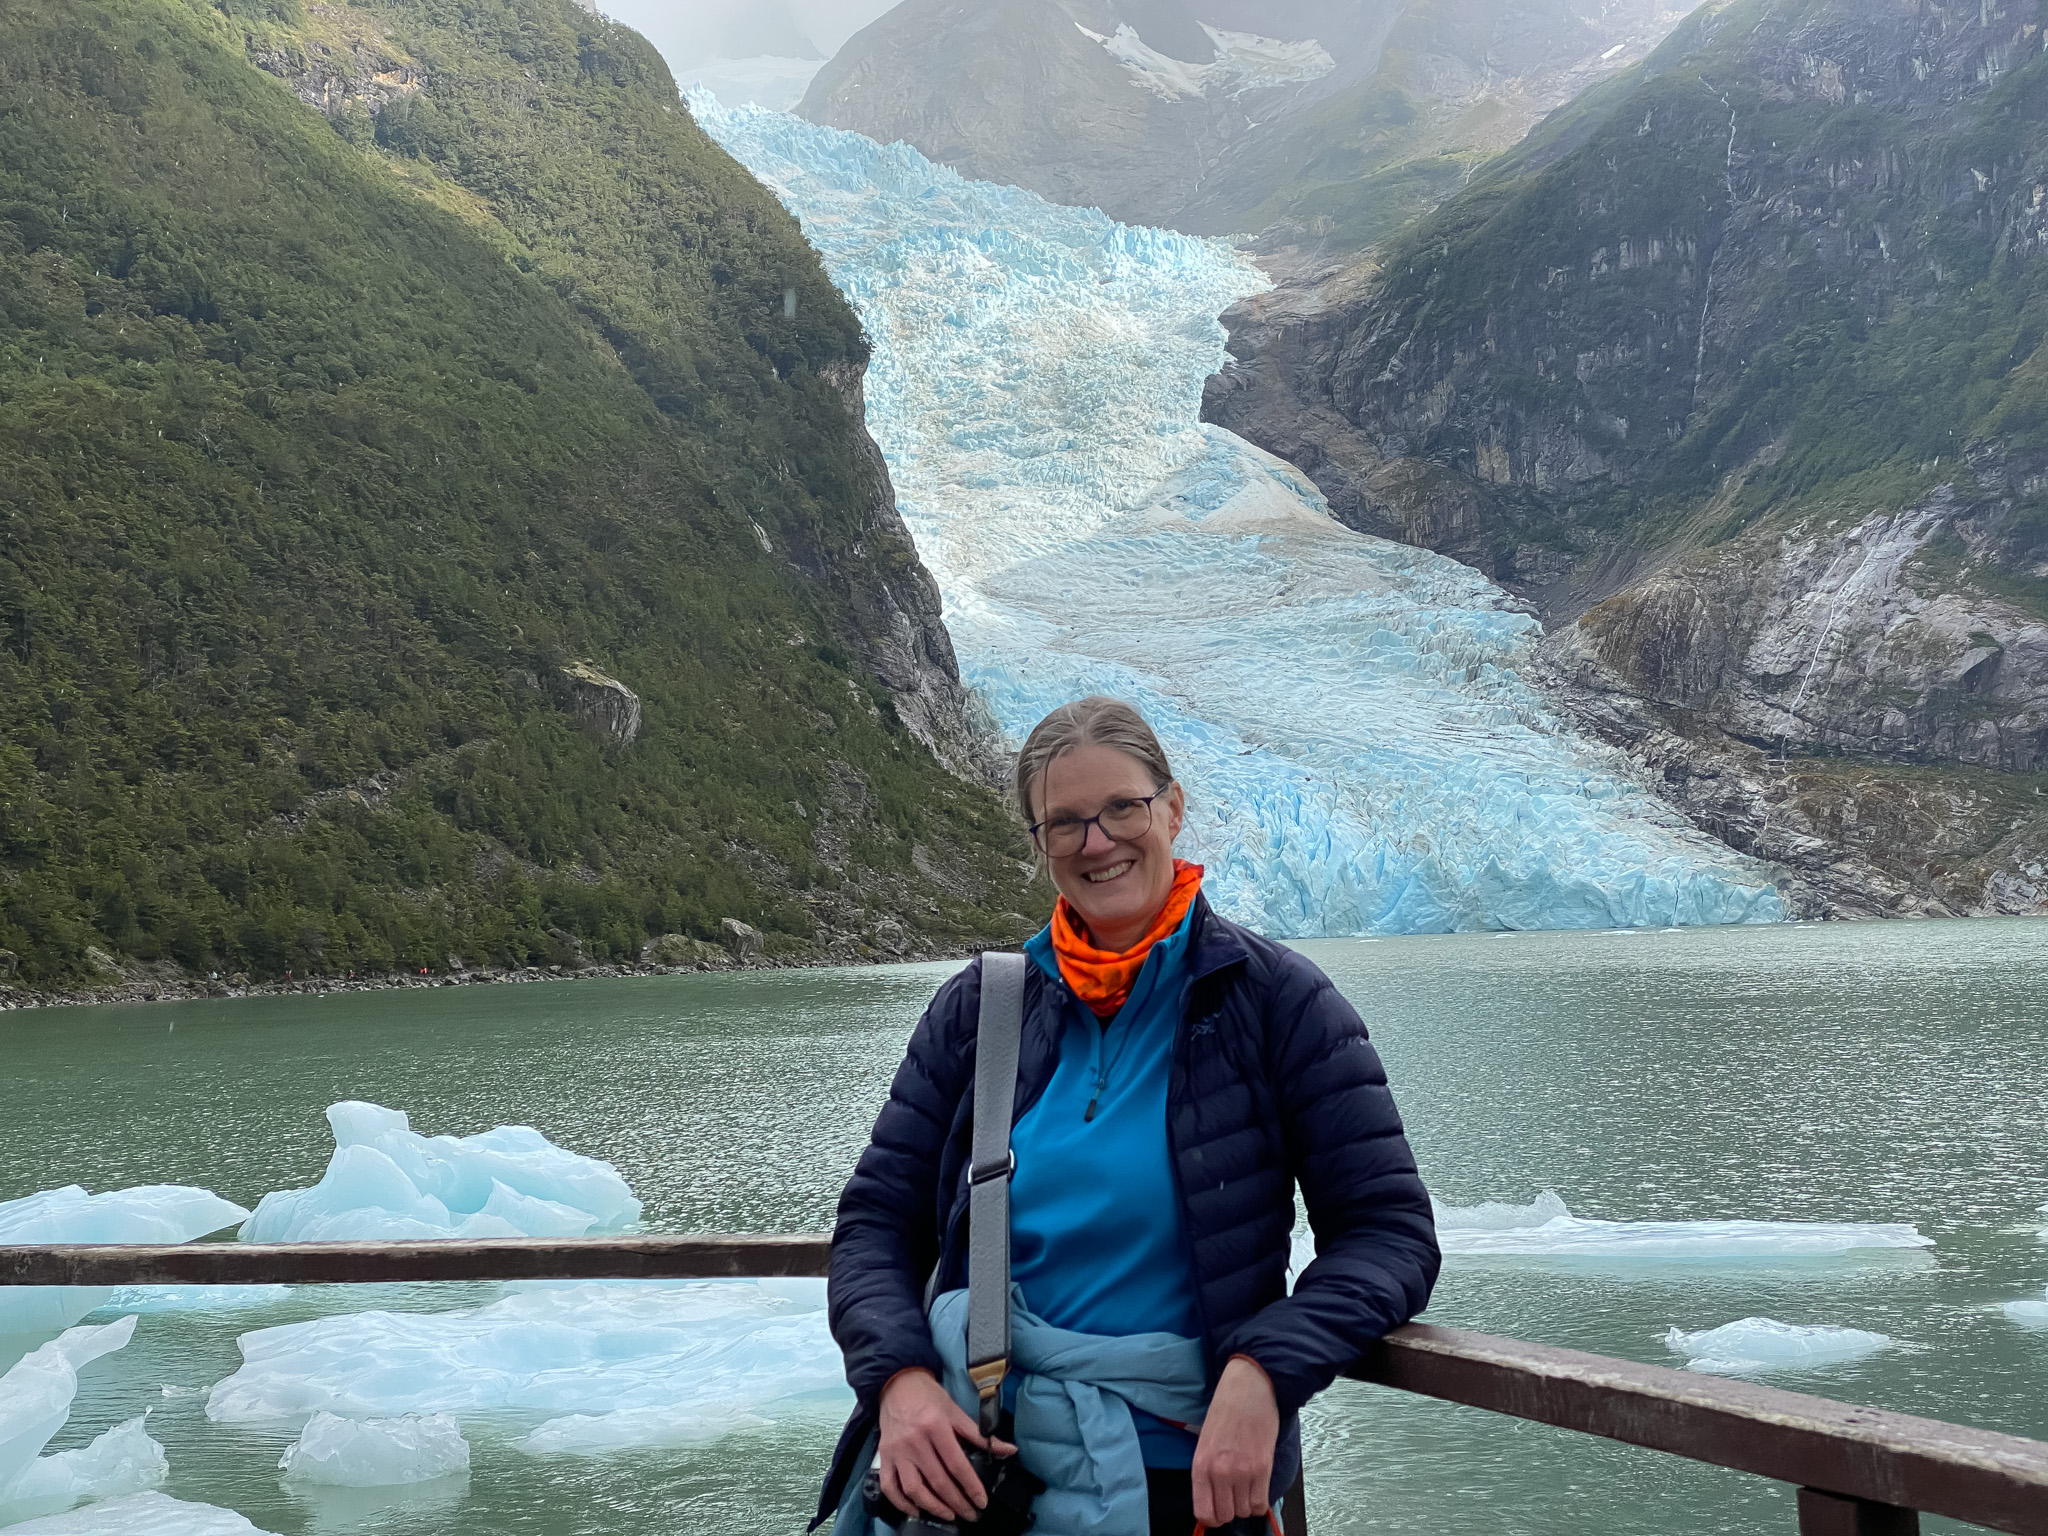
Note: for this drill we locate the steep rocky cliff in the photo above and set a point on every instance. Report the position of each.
(1733, 369)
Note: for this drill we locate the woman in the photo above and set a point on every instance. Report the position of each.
(1178, 1077)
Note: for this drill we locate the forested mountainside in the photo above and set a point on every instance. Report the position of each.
(439, 525)
(1326, 121)
(1734, 369)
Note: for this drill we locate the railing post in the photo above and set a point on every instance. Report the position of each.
(1293, 1511)
(1833, 1514)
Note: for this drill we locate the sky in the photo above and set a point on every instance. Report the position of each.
(689, 32)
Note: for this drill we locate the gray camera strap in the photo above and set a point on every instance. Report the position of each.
(989, 1169)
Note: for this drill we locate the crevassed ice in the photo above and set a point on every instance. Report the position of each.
(1758, 1344)
(1546, 1228)
(35, 1402)
(387, 1181)
(141, 1514)
(376, 1453)
(1360, 753)
(591, 1367)
(150, 1213)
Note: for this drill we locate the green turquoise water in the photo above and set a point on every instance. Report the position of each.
(1857, 1073)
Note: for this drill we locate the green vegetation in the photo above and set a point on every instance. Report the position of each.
(1879, 307)
(323, 446)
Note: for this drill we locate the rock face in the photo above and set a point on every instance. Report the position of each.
(1722, 371)
(1215, 116)
(603, 703)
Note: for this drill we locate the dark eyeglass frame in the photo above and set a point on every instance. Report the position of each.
(1095, 821)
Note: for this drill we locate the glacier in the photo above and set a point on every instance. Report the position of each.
(387, 1182)
(151, 1213)
(1546, 1228)
(376, 1453)
(141, 1514)
(1758, 1344)
(1361, 752)
(589, 1368)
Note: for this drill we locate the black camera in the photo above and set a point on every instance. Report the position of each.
(1011, 1490)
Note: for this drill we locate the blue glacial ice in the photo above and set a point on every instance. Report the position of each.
(154, 1213)
(141, 1514)
(386, 1181)
(582, 1368)
(376, 1453)
(36, 1395)
(1756, 1345)
(1361, 753)
(1545, 1228)
(193, 1298)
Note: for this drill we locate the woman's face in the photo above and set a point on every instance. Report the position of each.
(1117, 887)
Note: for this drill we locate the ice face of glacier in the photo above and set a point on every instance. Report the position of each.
(1547, 1229)
(376, 1453)
(36, 1395)
(1360, 752)
(1756, 1345)
(153, 1213)
(386, 1181)
(591, 1367)
(141, 1514)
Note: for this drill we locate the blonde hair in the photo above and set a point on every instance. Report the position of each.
(1095, 721)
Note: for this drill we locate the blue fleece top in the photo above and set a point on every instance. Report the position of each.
(1096, 1237)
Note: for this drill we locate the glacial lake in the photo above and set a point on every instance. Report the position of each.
(1873, 1073)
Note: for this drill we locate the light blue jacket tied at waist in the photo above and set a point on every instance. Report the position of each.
(1073, 1414)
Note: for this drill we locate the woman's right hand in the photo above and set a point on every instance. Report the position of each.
(922, 1463)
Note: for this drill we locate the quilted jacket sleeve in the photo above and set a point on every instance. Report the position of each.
(1376, 1250)
(887, 1236)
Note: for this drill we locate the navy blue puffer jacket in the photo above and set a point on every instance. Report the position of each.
(1274, 1085)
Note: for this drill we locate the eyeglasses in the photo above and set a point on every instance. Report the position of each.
(1121, 821)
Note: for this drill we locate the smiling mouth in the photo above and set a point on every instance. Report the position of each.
(1104, 876)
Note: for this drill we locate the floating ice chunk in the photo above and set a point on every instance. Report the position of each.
(194, 1298)
(141, 1514)
(386, 1181)
(36, 1394)
(2029, 1312)
(677, 1357)
(151, 1213)
(377, 1453)
(1545, 1228)
(1758, 1344)
(123, 1460)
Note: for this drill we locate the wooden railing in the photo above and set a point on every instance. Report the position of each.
(1859, 1471)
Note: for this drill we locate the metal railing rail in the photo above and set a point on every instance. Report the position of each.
(1859, 1471)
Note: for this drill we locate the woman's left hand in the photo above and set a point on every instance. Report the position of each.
(1234, 1455)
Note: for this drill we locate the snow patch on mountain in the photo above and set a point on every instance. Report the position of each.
(1244, 61)
(1360, 752)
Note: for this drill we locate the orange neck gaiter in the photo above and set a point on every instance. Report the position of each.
(1102, 978)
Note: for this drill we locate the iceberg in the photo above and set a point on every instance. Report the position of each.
(35, 1402)
(1546, 1229)
(152, 1213)
(387, 1182)
(2029, 1312)
(1361, 751)
(376, 1453)
(589, 1367)
(193, 1298)
(141, 1514)
(123, 1460)
(1758, 1344)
